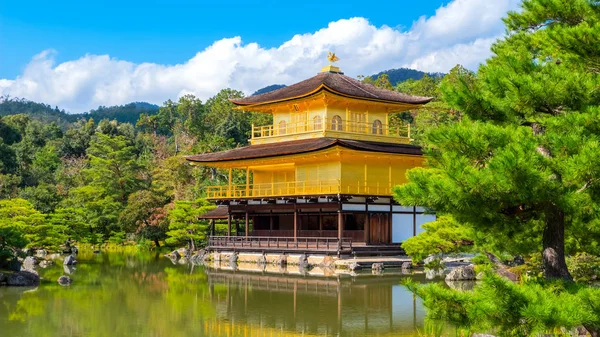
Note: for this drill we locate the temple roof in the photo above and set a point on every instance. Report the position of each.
(337, 83)
(220, 212)
(302, 146)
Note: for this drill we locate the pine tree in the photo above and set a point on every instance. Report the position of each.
(522, 168)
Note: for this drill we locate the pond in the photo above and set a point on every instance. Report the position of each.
(144, 294)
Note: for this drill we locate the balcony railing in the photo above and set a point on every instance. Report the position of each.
(296, 188)
(331, 124)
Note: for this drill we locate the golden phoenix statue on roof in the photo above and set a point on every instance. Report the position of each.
(332, 58)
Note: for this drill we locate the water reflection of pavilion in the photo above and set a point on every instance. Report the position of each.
(287, 305)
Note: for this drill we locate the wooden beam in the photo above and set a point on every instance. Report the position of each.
(247, 224)
(367, 228)
(228, 224)
(295, 224)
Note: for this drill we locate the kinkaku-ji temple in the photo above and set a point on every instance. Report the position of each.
(320, 177)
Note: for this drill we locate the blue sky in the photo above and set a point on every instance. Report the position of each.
(81, 54)
(172, 31)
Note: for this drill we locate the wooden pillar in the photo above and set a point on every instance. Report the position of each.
(271, 222)
(212, 227)
(320, 223)
(237, 226)
(295, 224)
(228, 224)
(247, 224)
(340, 225)
(367, 228)
(247, 182)
(230, 183)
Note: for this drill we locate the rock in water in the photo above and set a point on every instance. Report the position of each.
(354, 266)
(29, 264)
(69, 261)
(2, 278)
(407, 266)
(465, 273)
(64, 280)
(184, 252)
(233, 258)
(23, 279)
(46, 263)
(41, 253)
(378, 267)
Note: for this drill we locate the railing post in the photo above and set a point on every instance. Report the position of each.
(252, 136)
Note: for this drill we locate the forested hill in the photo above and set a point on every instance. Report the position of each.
(395, 75)
(127, 113)
(402, 74)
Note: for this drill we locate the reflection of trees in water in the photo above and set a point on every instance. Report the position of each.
(145, 295)
(112, 295)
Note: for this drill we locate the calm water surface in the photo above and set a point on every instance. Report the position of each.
(116, 294)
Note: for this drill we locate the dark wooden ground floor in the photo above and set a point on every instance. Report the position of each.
(363, 221)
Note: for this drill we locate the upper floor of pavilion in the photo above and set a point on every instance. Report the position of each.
(331, 105)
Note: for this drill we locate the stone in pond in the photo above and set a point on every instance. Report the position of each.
(465, 273)
(64, 280)
(23, 279)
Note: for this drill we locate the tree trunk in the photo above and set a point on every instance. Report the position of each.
(192, 245)
(157, 243)
(553, 243)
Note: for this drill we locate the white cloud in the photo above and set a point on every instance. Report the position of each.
(460, 32)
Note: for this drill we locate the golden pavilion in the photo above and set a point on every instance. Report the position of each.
(319, 178)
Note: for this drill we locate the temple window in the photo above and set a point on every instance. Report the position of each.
(336, 123)
(317, 123)
(282, 128)
(377, 127)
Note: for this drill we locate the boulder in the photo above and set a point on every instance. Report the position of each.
(74, 250)
(41, 253)
(184, 252)
(407, 266)
(466, 273)
(353, 266)
(29, 264)
(233, 258)
(69, 261)
(23, 278)
(174, 255)
(2, 278)
(13, 265)
(518, 261)
(198, 258)
(432, 258)
(46, 263)
(64, 280)
(378, 267)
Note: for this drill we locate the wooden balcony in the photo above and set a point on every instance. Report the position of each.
(335, 128)
(295, 188)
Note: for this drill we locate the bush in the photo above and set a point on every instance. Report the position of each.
(585, 268)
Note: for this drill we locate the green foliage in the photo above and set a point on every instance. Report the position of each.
(184, 225)
(22, 225)
(442, 236)
(506, 309)
(117, 238)
(113, 166)
(585, 268)
(521, 166)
